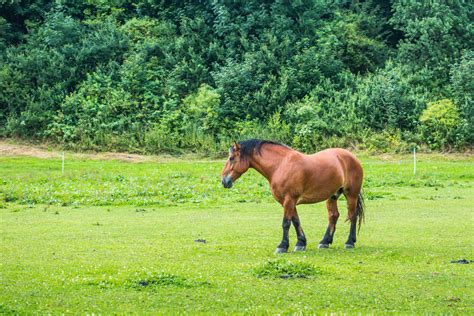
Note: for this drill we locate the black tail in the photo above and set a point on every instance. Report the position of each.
(360, 209)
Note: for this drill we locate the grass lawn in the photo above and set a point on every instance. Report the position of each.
(116, 237)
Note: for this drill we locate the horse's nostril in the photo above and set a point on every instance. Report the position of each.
(227, 182)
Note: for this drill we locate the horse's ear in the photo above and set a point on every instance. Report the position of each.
(236, 146)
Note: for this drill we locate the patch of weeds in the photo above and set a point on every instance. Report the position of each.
(149, 281)
(376, 195)
(142, 210)
(432, 184)
(104, 284)
(5, 310)
(9, 197)
(433, 197)
(178, 175)
(163, 280)
(285, 270)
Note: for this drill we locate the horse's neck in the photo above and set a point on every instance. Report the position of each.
(268, 161)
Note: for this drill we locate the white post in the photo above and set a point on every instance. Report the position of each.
(414, 160)
(62, 165)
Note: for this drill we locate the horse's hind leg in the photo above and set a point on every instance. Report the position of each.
(352, 217)
(333, 215)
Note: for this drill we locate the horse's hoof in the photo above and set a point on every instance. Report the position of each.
(348, 246)
(299, 248)
(323, 246)
(281, 250)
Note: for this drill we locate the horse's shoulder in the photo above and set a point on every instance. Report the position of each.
(295, 155)
(292, 162)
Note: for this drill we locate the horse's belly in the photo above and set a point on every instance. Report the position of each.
(317, 194)
(311, 199)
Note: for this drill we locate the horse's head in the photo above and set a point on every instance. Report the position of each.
(234, 166)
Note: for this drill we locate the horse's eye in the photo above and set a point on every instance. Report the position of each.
(231, 158)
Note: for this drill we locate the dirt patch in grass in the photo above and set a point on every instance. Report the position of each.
(461, 261)
(7, 149)
(10, 149)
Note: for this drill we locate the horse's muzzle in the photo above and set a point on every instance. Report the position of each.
(227, 182)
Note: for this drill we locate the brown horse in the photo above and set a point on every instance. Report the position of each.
(296, 178)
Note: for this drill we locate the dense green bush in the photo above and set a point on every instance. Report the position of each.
(180, 76)
(440, 123)
(390, 98)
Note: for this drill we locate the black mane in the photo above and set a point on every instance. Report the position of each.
(250, 146)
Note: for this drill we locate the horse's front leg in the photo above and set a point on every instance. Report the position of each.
(290, 215)
(301, 243)
(285, 242)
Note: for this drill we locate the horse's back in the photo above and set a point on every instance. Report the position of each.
(347, 164)
(338, 155)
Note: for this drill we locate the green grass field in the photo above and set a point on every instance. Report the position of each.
(115, 237)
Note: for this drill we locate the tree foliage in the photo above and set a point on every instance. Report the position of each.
(168, 76)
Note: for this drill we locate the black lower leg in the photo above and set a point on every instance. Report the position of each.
(328, 236)
(299, 232)
(285, 240)
(352, 233)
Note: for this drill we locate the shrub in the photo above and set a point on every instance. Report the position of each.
(390, 140)
(439, 124)
(389, 98)
(200, 109)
